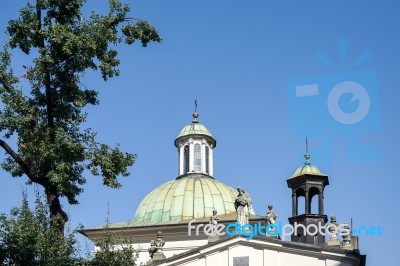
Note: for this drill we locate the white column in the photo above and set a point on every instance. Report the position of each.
(181, 158)
(191, 162)
(211, 151)
(203, 156)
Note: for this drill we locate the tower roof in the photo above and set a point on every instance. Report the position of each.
(307, 168)
(195, 129)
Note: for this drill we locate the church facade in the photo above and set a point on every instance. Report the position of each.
(177, 223)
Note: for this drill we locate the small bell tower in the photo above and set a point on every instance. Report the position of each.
(308, 184)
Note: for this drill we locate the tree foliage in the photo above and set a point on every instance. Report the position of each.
(26, 238)
(43, 110)
(113, 250)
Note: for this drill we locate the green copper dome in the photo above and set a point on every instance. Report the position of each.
(307, 168)
(195, 128)
(190, 197)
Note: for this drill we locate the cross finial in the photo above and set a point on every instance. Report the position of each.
(306, 145)
(307, 155)
(195, 114)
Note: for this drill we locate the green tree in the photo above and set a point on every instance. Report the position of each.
(26, 238)
(43, 110)
(113, 249)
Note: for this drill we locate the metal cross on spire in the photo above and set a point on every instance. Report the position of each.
(306, 146)
(307, 155)
(195, 114)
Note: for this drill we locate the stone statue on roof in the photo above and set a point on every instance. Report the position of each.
(214, 221)
(243, 205)
(159, 241)
(271, 215)
(152, 249)
(155, 249)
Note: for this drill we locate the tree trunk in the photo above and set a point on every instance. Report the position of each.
(58, 217)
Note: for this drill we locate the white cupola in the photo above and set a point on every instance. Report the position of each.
(195, 147)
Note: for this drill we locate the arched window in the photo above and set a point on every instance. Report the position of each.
(300, 201)
(186, 160)
(207, 160)
(197, 158)
(313, 194)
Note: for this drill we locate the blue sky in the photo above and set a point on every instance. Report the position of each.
(242, 61)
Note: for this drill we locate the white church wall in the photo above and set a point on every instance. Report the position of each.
(171, 248)
(214, 259)
(337, 263)
(255, 255)
(199, 262)
(299, 260)
(223, 258)
(270, 257)
(259, 256)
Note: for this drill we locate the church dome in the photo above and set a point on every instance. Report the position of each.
(195, 129)
(193, 196)
(307, 168)
(195, 193)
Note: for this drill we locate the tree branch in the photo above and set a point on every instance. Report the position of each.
(24, 166)
(7, 86)
(47, 80)
(129, 18)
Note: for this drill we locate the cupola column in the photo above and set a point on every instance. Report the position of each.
(203, 156)
(307, 203)
(321, 203)
(211, 162)
(191, 157)
(181, 159)
(294, 204)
